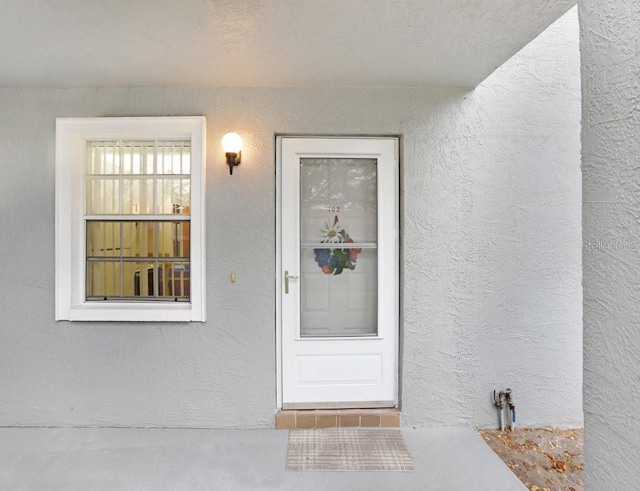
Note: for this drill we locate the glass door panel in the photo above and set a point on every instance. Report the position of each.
(338, 247)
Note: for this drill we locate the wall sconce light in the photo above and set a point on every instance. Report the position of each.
(232, 146)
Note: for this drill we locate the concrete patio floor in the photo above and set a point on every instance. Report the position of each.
(452, 459)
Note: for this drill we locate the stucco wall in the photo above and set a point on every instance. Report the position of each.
(491, 244)
(611, 146)
(492, 239)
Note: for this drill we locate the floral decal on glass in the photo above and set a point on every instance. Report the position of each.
(336, 260)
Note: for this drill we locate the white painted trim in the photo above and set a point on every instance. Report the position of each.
(71, 137)
(278, 272)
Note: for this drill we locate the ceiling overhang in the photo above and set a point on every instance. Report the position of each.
(371, 43)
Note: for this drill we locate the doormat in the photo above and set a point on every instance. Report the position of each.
(348, 449)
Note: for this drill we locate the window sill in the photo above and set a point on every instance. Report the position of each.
(133, 312)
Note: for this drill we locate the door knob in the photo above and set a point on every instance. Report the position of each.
(288, 277)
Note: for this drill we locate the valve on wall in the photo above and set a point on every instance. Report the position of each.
(506, 409)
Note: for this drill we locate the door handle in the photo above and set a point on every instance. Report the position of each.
(288, 277)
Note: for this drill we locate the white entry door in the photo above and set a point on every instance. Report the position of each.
(339, 272)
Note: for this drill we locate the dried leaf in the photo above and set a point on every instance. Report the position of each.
(559, 465)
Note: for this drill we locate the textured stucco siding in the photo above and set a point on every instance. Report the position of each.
(492, 245)
(611, 228)
(491, 242)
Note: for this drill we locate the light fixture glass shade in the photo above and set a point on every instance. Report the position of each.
(231, 143)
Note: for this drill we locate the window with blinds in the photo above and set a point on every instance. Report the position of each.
(138, 202)
(130, 219)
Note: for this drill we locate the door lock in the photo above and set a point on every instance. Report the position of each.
(288, 277)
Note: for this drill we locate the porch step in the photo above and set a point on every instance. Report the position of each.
(334, 418)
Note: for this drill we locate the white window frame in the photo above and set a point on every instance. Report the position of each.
(72, 135)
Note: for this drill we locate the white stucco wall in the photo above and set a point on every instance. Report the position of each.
(491, 253)
(492, 245)
(611, 211)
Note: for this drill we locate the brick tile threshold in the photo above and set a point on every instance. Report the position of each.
(337, 418)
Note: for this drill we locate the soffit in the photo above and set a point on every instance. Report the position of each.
(376, 43)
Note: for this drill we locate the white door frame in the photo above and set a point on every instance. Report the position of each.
(279, 282)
